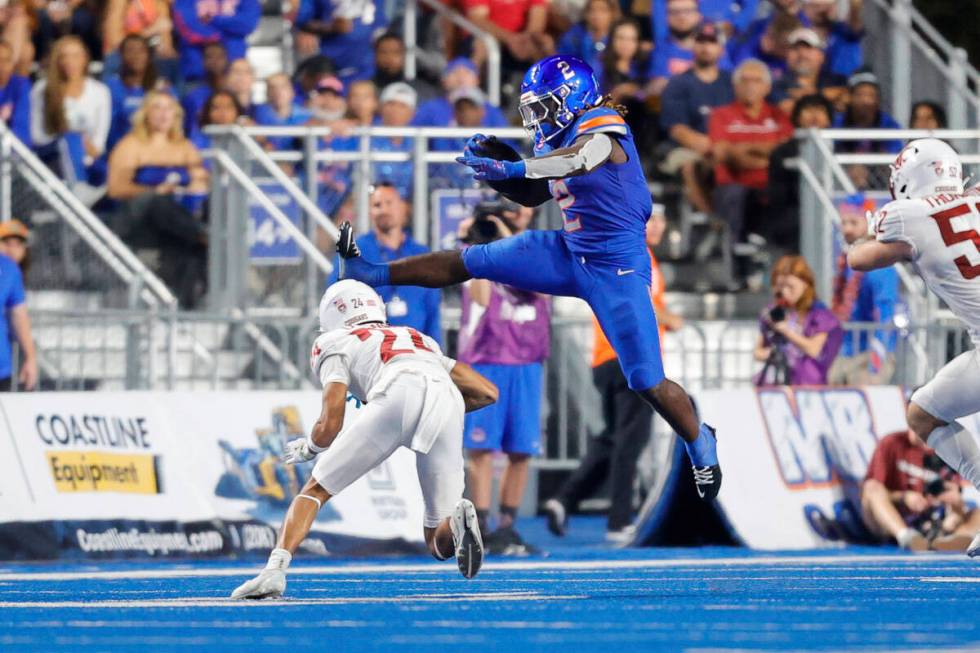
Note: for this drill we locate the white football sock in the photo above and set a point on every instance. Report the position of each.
(959, 449)
(279, 559)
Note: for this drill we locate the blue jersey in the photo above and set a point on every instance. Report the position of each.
(11, 296)
(606, 210)
(15, 107)
(126, 100)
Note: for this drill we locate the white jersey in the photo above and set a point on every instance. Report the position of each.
(944, 232)
(368, 358)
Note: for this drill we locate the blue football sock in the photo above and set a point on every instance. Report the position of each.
(702, 451)
(372, 274)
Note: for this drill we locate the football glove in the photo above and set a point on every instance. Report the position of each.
(298, 451)
(485, 169)
(475, 146)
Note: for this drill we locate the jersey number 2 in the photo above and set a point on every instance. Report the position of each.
(951, 237)
(388, 350)
(564, 198)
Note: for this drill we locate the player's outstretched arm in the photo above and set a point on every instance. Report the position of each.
(331, 418)
(872, 254)
(477, 390)
(586, 154)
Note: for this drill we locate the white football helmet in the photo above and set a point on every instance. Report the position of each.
(348, 303)
(926, 166)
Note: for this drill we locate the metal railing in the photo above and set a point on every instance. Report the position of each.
(489, 42)
(30, 190)
(196, 351)
(245, 172)
(921, 63)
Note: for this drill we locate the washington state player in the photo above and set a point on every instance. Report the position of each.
(415, 397)
(935, 225)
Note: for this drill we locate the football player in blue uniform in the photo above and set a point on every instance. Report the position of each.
(585, 159)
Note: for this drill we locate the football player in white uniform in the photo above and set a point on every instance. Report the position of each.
(935, 225)
(415, 397)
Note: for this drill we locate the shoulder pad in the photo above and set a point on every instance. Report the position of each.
(599, 120)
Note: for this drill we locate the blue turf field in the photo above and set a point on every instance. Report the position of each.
(577, 598)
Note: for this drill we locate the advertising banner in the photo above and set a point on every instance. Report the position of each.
(794, 459)
(176, 474)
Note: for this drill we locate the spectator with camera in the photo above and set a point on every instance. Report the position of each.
(613, 454)
(866, 357)
(387, 241)
(910, 496)
(799, 337)
(504, 334)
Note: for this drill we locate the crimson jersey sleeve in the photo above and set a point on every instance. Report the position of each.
(883, 461)
(891, 224)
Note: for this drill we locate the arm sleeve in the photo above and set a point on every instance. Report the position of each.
(590, 156)
(242, 22)
(448, 363)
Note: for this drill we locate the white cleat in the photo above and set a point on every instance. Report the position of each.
(269, 584)
(467, 540)
(974, 549)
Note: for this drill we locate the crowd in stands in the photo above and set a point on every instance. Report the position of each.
(712, 86)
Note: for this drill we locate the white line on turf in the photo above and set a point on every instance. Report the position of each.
(951, 579)
(212, 602)
(527, 565)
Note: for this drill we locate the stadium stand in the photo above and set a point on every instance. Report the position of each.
(107, 310)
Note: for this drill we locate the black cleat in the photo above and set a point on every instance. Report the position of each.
(346, 246)
(707, 479)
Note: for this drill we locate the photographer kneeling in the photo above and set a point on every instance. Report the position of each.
(910, 495)
(799, 336)
(504, 333)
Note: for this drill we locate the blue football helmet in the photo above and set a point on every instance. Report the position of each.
(553, 92)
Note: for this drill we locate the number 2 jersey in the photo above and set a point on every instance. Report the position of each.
(605, 211)
(944, 232)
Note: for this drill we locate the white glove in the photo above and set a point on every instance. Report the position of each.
(298, 451)
(872, 218)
